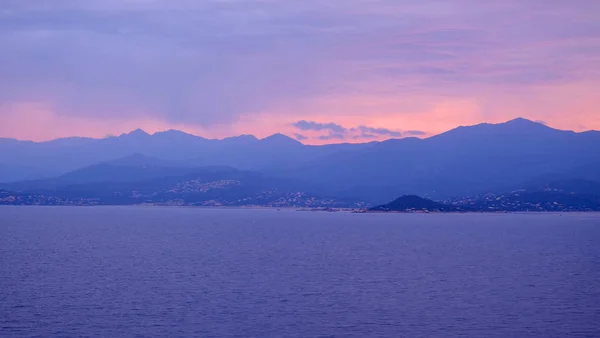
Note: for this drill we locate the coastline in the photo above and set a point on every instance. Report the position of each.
(297, 209)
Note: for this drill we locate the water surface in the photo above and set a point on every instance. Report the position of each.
(171, 272)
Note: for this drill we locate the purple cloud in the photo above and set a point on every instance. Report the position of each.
(315, 126)
(300, 137)
(156, 60)
(379, 131)
(332, 136)
(414, 132)
(366, 136)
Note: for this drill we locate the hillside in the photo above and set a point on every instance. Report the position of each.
(112, 184)
(128, 169)
(542, 194)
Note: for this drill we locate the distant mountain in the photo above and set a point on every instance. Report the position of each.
(545, 193)
(132, 168)
(64, 155)
(552, 200)
(463, 161)
(138, 179)
(18, 172)
(569, 186)
(556, 195)
(410, 203)
(281, 141)
(530, 200)
(141, 160)
(117, 184)
(587, 171)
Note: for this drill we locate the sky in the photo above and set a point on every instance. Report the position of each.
(322, 71)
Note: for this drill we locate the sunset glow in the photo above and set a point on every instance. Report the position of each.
(413, 68)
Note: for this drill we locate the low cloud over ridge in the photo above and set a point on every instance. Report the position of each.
(338, 132)
(316, 126)
(379, 131)
(332, 136)
(414, 133)
(300, 137)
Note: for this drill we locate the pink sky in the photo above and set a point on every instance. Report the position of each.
(39, 122)
(256, 67)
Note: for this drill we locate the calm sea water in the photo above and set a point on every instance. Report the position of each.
(175, 272)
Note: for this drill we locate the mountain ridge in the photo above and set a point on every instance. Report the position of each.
(462, 161)
(140, 131)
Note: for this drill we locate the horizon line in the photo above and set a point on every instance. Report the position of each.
(343, 141)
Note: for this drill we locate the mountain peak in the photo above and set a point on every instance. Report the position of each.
(277, 136)
(174, 134)
(137, 132)
(519, 121)
(280, 139)
(517, 126)
(522, 125)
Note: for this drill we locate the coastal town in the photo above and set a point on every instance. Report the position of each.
(188, 195)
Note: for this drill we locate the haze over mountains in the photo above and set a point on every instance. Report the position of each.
(460, 162)
(30, 160)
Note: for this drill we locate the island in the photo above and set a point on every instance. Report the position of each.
(413, 203)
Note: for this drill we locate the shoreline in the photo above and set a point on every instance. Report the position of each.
(298, 209)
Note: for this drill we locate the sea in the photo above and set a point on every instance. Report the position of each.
(197, 272)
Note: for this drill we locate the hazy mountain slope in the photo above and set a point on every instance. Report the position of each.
(131, 168)
(244, 152)
(465, 160)
(462, 161)
(214, 185)
(64, 155)
(14, 173)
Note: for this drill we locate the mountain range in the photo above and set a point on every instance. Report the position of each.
(21, 160)
(465, 161)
